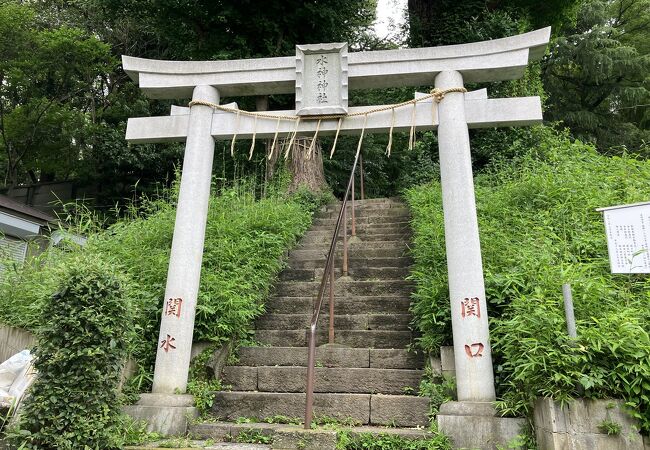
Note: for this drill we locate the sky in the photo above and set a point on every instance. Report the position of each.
(388, 10)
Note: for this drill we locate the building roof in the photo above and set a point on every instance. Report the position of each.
(13, 207)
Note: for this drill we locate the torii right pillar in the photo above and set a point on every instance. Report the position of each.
(471, 422)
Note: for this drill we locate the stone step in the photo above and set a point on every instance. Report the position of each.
(228, 431)
(375, 409)
(331, 221)
(308, 254)
(348, 338)
(326, 238)
(331, 356)
(383, 273)
(372, 203)
(354, 247)
(395, 322)
(333, 213)
(327, 379)
(354, 263)
(364, 227)
(344, 288)
(344, 305)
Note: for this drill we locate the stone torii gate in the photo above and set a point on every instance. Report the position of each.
(320, 76)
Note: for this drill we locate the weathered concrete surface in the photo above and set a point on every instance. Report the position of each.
(351, 338)
(577, 426)
(350, 305)
(14, 340)
(447, 363)
(395, 358)
(481, 430)
(167, 421)
(166, 414)
(171, 400)
(393, 322)
(232, 405)
(326, 356)
(239, 378)
(346, 289)
(339, 380)
(399, 410)
(297, 439)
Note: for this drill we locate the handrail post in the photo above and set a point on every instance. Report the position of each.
(354, 227)
(345, 239)
(311, 356)
(363, 197)
(331, 330)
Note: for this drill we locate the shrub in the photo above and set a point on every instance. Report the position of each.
(539, 229)
(79, 357)
(244, 245)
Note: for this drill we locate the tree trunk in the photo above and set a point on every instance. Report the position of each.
(306, 170)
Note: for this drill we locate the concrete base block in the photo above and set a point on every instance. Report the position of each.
(166, 414)
(473, 425)
(293, 439)
(579, 425)
(447, 362)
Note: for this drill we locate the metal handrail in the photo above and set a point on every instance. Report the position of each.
(329, 273)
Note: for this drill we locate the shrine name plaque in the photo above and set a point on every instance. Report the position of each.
(321, 79)
(628, 236)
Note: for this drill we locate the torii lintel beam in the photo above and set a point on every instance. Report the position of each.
(498, 59)
(480, 113)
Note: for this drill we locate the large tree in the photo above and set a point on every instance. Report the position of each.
(208, 29)
(597, 75)
(49, 79)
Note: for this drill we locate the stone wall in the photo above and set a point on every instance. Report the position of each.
(14, 340)
(580, 426)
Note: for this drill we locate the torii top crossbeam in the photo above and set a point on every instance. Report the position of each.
(498, 59)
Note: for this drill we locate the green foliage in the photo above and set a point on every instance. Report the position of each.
(539, 229)
(48, 80)
(253, 436)
(597, 75)
(437, 391)
(244, 244)
(82, 346)
(363, 441)
(610, 427)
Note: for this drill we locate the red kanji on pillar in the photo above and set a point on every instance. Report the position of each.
(173, 307)
(168, 343)
(470, 307)
(475, 350)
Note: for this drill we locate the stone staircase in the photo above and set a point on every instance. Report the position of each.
(367, 377)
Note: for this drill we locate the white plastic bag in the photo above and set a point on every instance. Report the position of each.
(12, 371)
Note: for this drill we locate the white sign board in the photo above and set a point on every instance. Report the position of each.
(628, 237)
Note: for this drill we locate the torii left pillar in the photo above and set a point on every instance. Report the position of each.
(166, 410)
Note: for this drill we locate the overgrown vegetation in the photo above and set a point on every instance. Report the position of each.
(82, 347)
(244, 246)
(367, 441)
(539, 229)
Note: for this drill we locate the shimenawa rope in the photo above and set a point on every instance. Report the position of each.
(436, 94)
